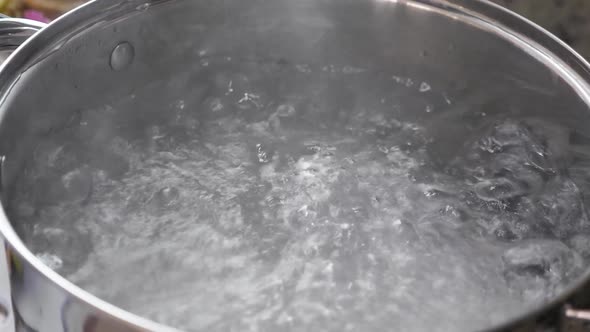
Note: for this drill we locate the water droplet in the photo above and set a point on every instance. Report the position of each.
(431, 193)
(383, 148)
(230, 88)
(303, 69)
(180, 104)
(447, 99)
(424, 87)
(450, 210)
(122, 56)
(250, 98)
(216, 105)
(143, 7)
(408, 82)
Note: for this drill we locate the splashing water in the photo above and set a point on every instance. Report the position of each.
(321, 209)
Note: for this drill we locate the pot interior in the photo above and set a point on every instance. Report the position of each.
(322, 165)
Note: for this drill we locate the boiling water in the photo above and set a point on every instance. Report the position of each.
(277, 197)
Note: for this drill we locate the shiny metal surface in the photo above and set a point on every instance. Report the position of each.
(13, 32)
(68, 65)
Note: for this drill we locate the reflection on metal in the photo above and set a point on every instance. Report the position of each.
(6, 316)
(570, 312)
(2, 171)
(14, 31)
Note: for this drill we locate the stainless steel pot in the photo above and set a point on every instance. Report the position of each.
(108, 48)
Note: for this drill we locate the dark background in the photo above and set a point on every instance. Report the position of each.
(568, 19)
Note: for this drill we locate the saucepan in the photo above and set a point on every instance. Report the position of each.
(292, 165)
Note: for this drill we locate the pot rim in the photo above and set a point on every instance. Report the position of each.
(538, 42)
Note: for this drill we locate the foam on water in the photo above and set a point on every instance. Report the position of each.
(234, 209)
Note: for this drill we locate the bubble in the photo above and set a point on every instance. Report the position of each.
(509, 133)
(285, 110)
(447, 99)
(165, 197)
(549, 261)
(432, 193)
(122, 56)
(216, 105)
(303, 68)
(77, 184)
(452, 211)
(262, 154)
(490, 145)
(503, 232)
(424, 87)
(143, 7)
(250, 99)
(306, 214)
(562, 208)
(498, 189)
(180, 104)
(406, 81)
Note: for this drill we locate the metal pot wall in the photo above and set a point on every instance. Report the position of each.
(108, 49)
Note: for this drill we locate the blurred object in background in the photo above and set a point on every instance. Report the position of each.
(35, 15)
(11, 7)
(51, 8)
(567, 19)
(39, 10)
